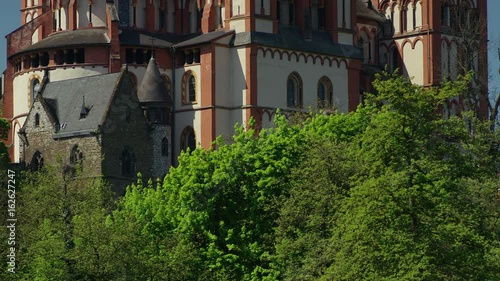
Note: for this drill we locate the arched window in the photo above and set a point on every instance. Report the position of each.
(325, 93)
(127, 160)
(294, 90)
(36, 161)
(34, 88)
(365, 45)
(189, 88)
(188, 139)
(37, 120)
(164, 147)
(76, 157)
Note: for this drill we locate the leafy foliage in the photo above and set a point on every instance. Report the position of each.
(391, 191)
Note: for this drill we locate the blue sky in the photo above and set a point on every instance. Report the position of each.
(10, 19)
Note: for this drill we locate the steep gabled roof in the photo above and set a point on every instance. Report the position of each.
(65, 99)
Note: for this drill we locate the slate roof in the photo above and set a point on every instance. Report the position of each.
(134, 37)
(366, 10)
(72, 38)
(65, 99)
(291, 38)
(203, 38)
(153, 88)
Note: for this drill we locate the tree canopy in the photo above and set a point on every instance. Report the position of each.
(391, 191)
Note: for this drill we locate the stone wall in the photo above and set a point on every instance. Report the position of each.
(125, 125)
(161, 164)
(58, 151)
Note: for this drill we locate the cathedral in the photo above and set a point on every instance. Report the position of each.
(121, 86)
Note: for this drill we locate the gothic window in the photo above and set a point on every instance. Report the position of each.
(188, 139)
(37, 120)
(404, 12)
(189, 88)
(294, 90)
(36, 162)
(414, 15)
(325, 93)
(127, 160)
(365, 45)
(164, 147)
(34, 89)
(76, 156)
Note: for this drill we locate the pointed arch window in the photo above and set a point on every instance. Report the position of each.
(127, 160)
(37, 161)
(76, 156)
(34, 89)
(189, 94)
(325, 93)
(188, 139)
(294, 90)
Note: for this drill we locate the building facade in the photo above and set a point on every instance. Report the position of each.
(225, 61)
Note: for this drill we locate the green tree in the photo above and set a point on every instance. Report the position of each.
(412, 211)
(61, 232)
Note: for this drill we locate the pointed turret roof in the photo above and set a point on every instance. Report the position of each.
(153, 88)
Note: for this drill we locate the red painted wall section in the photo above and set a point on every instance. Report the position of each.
(208, 19)
(8, 104)
(96, 55)
(207, 95)
(114, 45)
(353, 72)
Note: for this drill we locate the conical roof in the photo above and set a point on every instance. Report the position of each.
(153, 88)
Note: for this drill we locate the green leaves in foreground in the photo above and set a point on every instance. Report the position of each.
(391, 191)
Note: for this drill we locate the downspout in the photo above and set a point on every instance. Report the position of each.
(172, 120)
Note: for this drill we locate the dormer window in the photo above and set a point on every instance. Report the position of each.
(84, 110)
